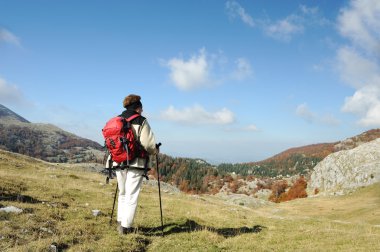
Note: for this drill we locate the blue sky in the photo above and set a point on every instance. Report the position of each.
(227, 81)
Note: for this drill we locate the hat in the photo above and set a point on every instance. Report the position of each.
(132, 101)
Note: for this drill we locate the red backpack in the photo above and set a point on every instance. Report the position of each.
(120, 140)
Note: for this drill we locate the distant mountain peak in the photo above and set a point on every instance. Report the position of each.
(45, 141)
(8, 115)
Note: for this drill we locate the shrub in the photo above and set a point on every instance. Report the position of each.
(234, 186)
(228, 178)
(298, 190)
(278, 188)
(184, 186)
(316, 191)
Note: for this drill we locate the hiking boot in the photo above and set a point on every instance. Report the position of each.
(123, 230)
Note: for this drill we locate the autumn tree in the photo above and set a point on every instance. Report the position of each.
(278, 188)
(298, 190)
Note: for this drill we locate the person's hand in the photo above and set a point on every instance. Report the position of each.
(158, 148)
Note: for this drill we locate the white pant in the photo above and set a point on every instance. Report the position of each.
(129, 181)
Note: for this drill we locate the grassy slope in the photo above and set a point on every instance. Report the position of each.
(59, 201)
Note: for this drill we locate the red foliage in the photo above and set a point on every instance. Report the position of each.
(214, 190)
(184, 186)
(267, 184)
(228, 178)
(250, 178)
(234, 186)
(278, 188)
(316, 191)
(297, 190)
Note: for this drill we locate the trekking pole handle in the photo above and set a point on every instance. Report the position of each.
(158, 147)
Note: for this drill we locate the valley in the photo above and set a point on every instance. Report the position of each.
(57, 202)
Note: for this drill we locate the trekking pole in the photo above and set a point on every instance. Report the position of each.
(114, 200)
(124, 142)
(159, 188)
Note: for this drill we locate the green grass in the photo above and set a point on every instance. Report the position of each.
(57, 201)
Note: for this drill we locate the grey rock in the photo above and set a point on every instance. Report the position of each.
(11, 209)
(263, 194)
(165, 187)
(96, 212)
(53, 248)
(346, 170)
(46, 230)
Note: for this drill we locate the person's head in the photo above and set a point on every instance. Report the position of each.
(132, 102)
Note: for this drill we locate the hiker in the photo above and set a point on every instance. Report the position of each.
(129, 179)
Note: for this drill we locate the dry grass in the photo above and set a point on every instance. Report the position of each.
(57, 201)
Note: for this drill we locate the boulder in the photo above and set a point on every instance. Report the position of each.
(11, 209)
(346, 170)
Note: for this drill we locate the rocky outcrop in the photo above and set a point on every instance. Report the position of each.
(346, 170)
(355, 141)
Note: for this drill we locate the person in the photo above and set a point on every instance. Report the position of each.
(130, 179)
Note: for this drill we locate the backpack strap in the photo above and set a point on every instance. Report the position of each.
(132, 117)
(145, 175)
(127, 121)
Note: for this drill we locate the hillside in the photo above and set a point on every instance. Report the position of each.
(300, 160)
(188, 174)
(57, 200)
(48, 142)
(6, 115)
(198, 176)
(45, 141)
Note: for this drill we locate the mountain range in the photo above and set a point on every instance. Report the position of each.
(50, 143)
(45, 141)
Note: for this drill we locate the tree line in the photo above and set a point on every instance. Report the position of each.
(198, 176)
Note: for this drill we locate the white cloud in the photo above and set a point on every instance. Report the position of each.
(366, 104)
(284, 29)
(246, 128)
(198, 115)
(360, 23)
(372, 117)
(8, 37)
(234, 10)
(328, 119)
(358, 63)
(305, 113)
(10, 94)
(243, 69)
(355, 69)
(309, 10)
(362, 100)
(191, 74)
(205, 70)
(295, 23)
(251, 127)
